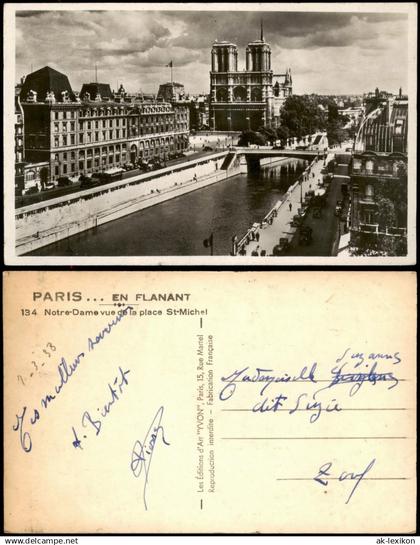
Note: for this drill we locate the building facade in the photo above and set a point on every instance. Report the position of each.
(379, 177)
(199, 113)
(87, 132)
(250, 98)
(19, 148)
(171, 91)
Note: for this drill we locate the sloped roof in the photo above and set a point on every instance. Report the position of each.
(46, 79)
(94, 89)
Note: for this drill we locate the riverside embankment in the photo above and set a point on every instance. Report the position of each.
(47, 222)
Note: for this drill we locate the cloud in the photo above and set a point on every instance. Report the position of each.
(348, 52)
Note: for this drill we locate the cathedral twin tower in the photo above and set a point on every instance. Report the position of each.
(247, 99)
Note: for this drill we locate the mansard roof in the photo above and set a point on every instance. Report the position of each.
(44, 80)
(102, 89)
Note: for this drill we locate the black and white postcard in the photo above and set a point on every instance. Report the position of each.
(213, 134)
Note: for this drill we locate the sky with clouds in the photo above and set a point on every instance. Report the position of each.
(331, 53)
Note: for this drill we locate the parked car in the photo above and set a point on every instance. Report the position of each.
(282, 247)
(207, 148)
(86, 181)
(305, 235)
(63, 181)
(31, 190)
(297, 220)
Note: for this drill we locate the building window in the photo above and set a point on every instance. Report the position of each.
(64, 140)
(56, 171)
(399, 123)
(56, 142)
(55, 115)
(55, 127)
(65, 156)
(64, 169)
(81, 138)
(72, 139)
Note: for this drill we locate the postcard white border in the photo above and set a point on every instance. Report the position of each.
(10, 257)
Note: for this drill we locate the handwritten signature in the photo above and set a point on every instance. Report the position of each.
(324, 476)
(142, 453)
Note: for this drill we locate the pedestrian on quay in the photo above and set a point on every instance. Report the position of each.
(290, 206)
(257, 237)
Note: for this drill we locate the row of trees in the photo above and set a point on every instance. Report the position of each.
(300, 116)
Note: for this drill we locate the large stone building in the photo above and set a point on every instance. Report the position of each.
(19, 149)
(87, 132)
(250, 98)
(378, 221)
(198, 105)
(171, 91)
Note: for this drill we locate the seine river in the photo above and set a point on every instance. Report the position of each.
(179, 226)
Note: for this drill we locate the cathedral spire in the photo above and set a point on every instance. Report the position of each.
(262, 30)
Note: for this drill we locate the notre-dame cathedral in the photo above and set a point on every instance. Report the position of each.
(247, 99)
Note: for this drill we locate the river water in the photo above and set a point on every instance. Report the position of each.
(179, 226)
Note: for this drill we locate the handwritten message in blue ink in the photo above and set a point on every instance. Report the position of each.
(65, 370)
